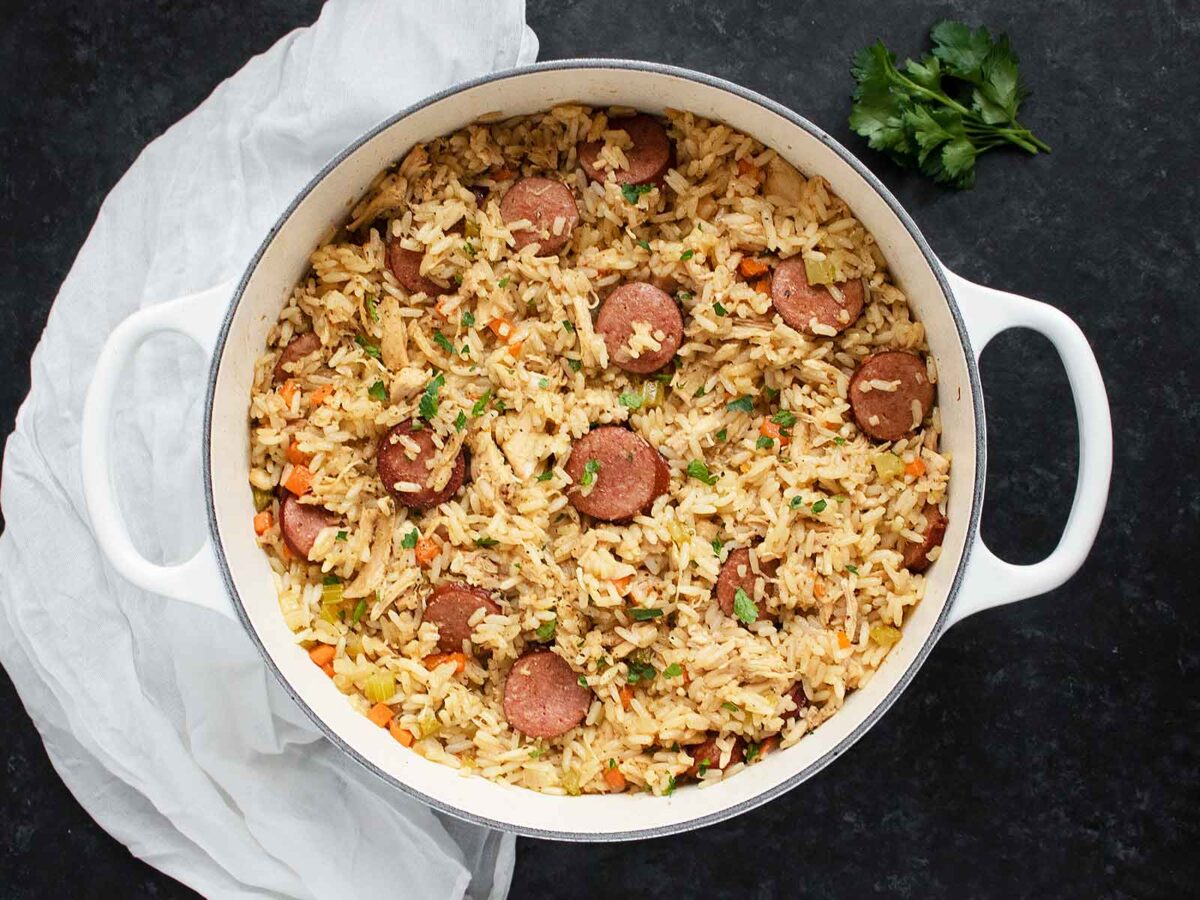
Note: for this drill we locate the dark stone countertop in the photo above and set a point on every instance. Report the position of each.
(1048, 748)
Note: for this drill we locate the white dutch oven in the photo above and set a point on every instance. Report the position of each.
(960, 318)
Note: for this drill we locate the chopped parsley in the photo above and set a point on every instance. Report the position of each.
(468, 319)
(469, 249)
(372, 309)
(796, 502)
(686, 255)
(717, 546)
(705, 765)
(575, 364)
(853, 570)
(590, 469)
(543, 382)
(545, 631)
(664, 377)
(819, 506)
(720, 310)
(644, 244)
(457, 278)
(643, 614)
(428, 407)
(752, 751)
(372, 350)
(342, 535)
(631, 400)
(631, 192)
(764, 443)
(772, 393)
(359, 609)
(640, 671)
(700, 391)
(498, 405)
(377, 391)
(840, 441)
(583, 681)
(785, 418)
(481, 404)
(744, 403)
(674, 670)
(743, 607)
(670, 787)
(683, 296)
(410, 540)
(503, 282)
(442, 341)
(546, 476)
(460, 421)
(698, 469)
(568, 326)
(485, 542)
(722, 435)
(730, 707)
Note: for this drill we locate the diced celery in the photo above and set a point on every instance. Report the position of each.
(653, 394)
(427, 722)
(570, 782)
(332, 594)
(262, 499)
(819, 271)
(885, 635)
(380, 687)
(888, 465)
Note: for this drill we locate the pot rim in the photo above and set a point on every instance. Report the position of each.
(976, 391)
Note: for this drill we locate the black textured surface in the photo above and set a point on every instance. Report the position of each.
(1048, 748)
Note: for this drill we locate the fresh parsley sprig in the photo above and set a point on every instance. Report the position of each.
(939, 113)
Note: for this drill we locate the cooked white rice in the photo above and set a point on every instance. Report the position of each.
(842, 591)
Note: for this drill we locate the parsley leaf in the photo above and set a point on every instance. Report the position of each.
(720, 310)
(717, 544)
(486, 542)
(546, 476)
(784, 418)
(796, 502)
(428, 406)
(590, 469)
(698, 469)
(722, 435)
(342, 535)
(575, 364)
(410, 540)
(687, 254)
(372, 350)
(674, 670)
(852, 569)
(730, 707)
(460, 421)
(631, 400)
(744, 403)
(938, 113)
(683, 296)
(645, 245)
(819, 506)
(468, 319)
(372, 309)
(640, 671)
(840, 441)
(743, 607)
(481, 404)
(764, 443)
(378, 391)
(569, 326)
(442, 341)
(545, 631)
(503, 282)
(631, 192)
(644, 614)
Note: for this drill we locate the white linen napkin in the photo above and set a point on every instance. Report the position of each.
(161, 717)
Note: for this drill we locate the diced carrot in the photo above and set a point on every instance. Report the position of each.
(328, 669)
(381, 714)
(772, 430)
(322, 654)
(403, 735)
(426, 550)
(615, 780)
(295, 455)
(752, 268)
(818, 589)
(320, 395)
(501, 328)
(763, 285)
(916, 468)
(262, 522)
(437, 659)
(626, 696)
(843, 640)
(746, 166)
(622, 584)
(288, 390)
(514, 349)
(299, 481)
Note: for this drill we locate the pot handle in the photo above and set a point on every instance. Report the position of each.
(990, 581)
(197, 580)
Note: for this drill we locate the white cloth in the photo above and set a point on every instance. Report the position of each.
(161, 717)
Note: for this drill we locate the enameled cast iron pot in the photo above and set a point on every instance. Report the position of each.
(960, 318)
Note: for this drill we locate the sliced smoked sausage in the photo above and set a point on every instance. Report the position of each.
(707, 756)
(406, 266)
(300, 523)
(549, 205)
(799, 698)
(639, 301)
(395, 465)
(624, 472)
(648, 158)
(543, 697)
(891, 394)
(916, 556)
(800, 303)
(450, 606)
(298, 348)
(737, 573)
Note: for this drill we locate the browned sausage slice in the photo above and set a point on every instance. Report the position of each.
(406, 266)
(707, 756)
(736, 573)
(649, 157)
(662, 478)
(799, 303)
(916, 556)
(543, 697)
(450, 607)
(639, 301)
(298, 348)
(800, 699)
(889, 414)
(300, 523)
(394, 466)
(549, 205)
(626, 478)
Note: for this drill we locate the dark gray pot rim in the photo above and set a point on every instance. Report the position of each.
(976, 499)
